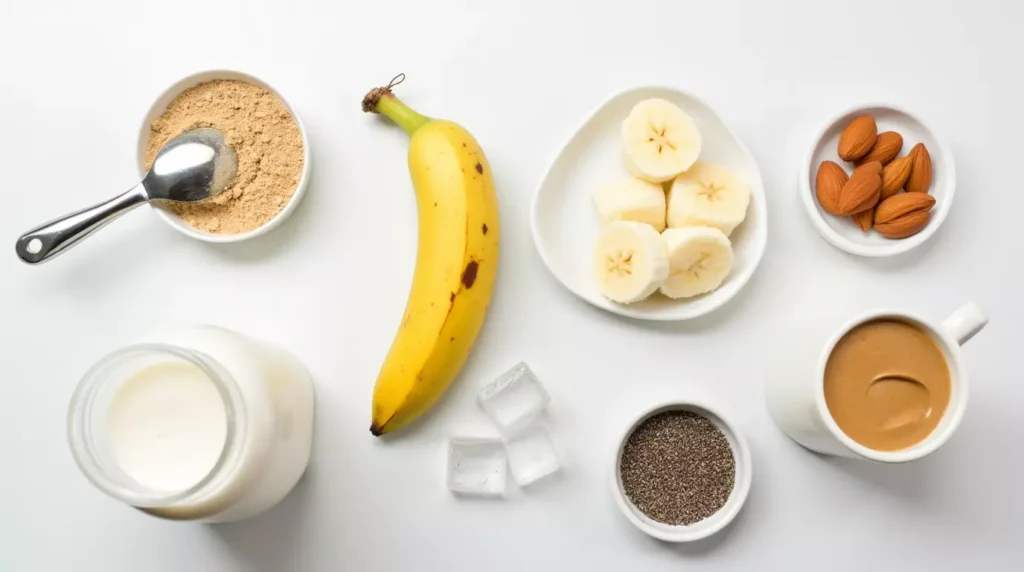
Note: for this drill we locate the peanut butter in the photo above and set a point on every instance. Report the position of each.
(887, 384)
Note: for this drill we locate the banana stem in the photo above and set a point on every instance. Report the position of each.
(383, 100)
(401, 113)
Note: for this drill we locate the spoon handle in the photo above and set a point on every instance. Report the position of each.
(47, 241)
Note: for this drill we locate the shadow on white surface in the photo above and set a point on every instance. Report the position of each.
(907, 261)
(716, 318)
(382, 121)
(101, 260)
(703, 548)
(707, 547)
(272, 541)
(277, 242)
(913, 482)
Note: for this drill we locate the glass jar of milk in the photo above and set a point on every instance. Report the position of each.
(194, 423)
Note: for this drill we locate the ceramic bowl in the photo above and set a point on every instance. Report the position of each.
(565, 223)
(158, 108)
(711, 524)
(841, 232)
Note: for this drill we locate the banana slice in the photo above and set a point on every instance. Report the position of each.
(630, 261)
(631, 199)
(660, 140)
(699, 259)
(708, 195)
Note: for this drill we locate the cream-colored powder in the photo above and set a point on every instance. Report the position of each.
(263, 133)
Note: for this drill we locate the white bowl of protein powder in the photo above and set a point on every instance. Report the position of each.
(274, 158)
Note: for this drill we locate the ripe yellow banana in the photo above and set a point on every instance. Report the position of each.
(456, 263)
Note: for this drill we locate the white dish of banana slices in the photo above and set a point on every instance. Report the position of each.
(654, 209)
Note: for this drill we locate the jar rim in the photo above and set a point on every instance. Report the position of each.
(82, 442)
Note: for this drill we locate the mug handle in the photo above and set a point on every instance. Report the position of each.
(966, 321)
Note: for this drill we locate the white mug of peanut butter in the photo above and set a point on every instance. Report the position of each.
(887, 386)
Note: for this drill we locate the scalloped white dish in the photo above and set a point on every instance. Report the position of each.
(565, 225)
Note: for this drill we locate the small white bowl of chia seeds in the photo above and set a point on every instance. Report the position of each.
(682, 472)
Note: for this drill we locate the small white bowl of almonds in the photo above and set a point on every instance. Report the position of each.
(877, 181)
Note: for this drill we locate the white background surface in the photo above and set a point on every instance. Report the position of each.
(76, 78)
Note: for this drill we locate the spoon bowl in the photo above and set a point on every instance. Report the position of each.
(193, 166)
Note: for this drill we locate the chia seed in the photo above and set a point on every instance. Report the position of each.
(677, 468)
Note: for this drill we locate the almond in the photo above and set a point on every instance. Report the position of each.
(863, 219)
(858, 138)
(921, 171)
(903, 215)
(861, 192)
(872, 167)
(887, 146)
(895, 175)
(830, 181)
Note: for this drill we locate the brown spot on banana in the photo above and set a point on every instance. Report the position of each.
(485, 229)
(479, 168)
(469, 275)
(452, 297)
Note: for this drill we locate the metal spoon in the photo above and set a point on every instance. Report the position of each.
(193, 166)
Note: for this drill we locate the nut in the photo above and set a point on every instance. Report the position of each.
(887, 146)
(863, 219)
(861, 192)
(895, 175)
(903, 215)
(921, 171)
(858, 138)
(830, 180)
(872, 167)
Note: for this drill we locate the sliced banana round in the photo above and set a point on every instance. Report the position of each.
(631, 199)
(630, 261)
(708, 195)
(699, 259)
(659, 140)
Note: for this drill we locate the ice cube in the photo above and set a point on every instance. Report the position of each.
(477, 466)
(532, 455)
(514, 400)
